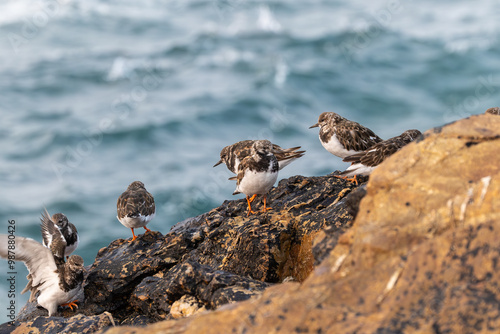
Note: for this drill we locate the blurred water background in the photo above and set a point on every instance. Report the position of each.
(97, 94)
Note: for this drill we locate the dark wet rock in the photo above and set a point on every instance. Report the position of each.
(353, 199)
(122, 265)
(217, 258)
(211, 288)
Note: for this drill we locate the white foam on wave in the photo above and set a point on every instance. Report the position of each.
(281, 73)
(16, 10)
(19, 11)
(243, 20)
(119, 69)
(135, 10)
(225, 57)
(267, 21)
(127, 68)
(460, 26)
(34, 13)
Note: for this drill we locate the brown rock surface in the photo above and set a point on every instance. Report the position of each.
(422, 256)
(76, 324)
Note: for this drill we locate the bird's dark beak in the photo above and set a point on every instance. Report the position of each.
(314, 126)
(218, 163)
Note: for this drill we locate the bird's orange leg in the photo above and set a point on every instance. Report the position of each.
(350, 179)
(135, 237)
(264, 209)
(249, 200)
(71, 304)
(147, 229)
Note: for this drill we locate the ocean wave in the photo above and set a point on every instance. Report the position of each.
(226, 57)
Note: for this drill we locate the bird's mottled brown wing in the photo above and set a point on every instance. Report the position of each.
(378, 152)
(375, 157)
(121, 204)
(356, 137)
(287, 154)
(134, 203)
(242, 149)
(244, 165)
(52, 238)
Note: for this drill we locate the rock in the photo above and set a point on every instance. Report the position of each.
(328, 237)
(421, 256)
(186, 306)
(270, 247)
(234, 253)
(209, 288)
(121, 266)
(213, 260)
(353, 199)
(60, 325)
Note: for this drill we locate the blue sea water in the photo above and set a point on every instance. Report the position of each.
(97, 94)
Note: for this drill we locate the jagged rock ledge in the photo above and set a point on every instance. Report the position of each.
(204, 262)
(421, 255)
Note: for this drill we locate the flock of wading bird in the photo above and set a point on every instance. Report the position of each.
(55, 277)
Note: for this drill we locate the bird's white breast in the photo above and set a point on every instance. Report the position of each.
(257, 183)
(336, 148)
(136, 222)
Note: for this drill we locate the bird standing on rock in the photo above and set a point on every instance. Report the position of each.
(365, 162)
(257, 173)
(233, 154)
(342, 137)
(135, 207)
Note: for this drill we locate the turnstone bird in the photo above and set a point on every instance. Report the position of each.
(135, 207)
(233, 154)
(257, 173)
(55, 284)
(365, 162)
(68, 235)
(493, 111)
(342, 137)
